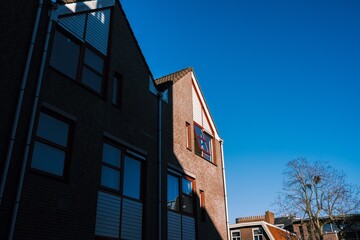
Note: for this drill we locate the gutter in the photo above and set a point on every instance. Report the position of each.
(160, 161)
(52, 18)
(20, 101)
(225, 192)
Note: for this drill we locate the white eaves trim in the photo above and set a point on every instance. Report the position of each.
(202, 100)
(253, 224)
(77, 7)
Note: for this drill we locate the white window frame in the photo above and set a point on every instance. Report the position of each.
(235, 237)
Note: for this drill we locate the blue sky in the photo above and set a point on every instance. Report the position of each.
(281, 79)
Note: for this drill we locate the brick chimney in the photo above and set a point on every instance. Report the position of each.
(269, 217)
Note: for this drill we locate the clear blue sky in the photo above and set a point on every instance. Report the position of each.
(281, 79)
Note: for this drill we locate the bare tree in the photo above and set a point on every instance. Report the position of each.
(318, 193)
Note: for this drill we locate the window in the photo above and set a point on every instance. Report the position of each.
(119, 205)
(76, 60)
(51, 148)
(257, 233)
(117, 86)
(202, 206)
(202, 143)
(121, 172)
(180, 194)
(235, 235)
(188, 136)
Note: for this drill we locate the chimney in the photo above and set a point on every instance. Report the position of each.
(269, 217)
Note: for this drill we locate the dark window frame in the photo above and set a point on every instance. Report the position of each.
(180, 177)
(123, 154)
(83, 45)
(202, 205)
(188, 136)
(116, 97)
(67, 150)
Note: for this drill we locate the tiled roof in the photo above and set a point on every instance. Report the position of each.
(280, 234)
(173, 77)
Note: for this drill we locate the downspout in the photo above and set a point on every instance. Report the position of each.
(20, 100)
(225, 192)
(160, 161)
(53, 17)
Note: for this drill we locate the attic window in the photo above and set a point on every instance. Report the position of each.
(202, 143)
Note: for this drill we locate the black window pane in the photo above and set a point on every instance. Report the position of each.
(91, 79)
(65, 55)
(187, 204)
(111, 155)
(48, 159)
(173, 193)
(53, 129)
(110, 178)
(132, 175)
(93, 60)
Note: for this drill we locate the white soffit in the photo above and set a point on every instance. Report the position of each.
(77, 7)
(201, 98)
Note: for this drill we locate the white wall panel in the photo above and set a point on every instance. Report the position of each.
(188, 228)
(74, 24)
(97, 30)
(174, 226)
(131, 227)
(107, 215)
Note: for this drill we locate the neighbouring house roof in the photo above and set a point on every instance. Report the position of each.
(273, 232)
(279, 233)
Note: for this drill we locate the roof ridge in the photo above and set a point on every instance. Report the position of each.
(173, 77)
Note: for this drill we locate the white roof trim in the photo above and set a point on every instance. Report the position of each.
(71, 8)
(202, 100)
(253, 224)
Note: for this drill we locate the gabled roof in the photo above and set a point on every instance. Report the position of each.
(273, 232)
(164, 82)
(174, 77)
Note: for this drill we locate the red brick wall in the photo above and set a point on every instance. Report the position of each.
(209, 177)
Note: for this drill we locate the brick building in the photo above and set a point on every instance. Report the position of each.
(81, 156)
(194, 159)
(259, 228)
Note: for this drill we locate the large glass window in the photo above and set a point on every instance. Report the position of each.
(180, 194)
(202, 143)
(87, 68)
(65, 55)
(51, 145)
(121, 172)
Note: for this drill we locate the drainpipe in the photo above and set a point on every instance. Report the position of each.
(53, 17)
(160, 94)
(20, 100)
(225, 195)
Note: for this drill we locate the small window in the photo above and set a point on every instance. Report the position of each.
(51, 148)
(203, 146)
(188, 136)
(202, 206)
(180, 199)
(117, 86)
(236, 235)
(257, 233)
